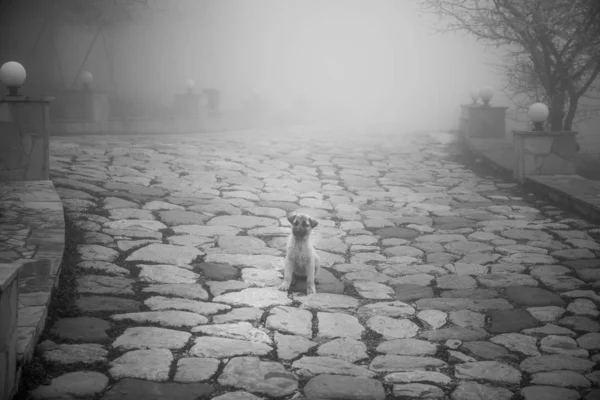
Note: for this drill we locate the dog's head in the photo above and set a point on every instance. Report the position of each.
(302, 224)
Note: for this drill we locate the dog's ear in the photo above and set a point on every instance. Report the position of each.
(291, 218)
(313, 222)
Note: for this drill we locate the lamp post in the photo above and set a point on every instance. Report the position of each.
(474, 95)
(486, 93)
(87, 79)
(538, 113)
(189, 85)
(12, 74)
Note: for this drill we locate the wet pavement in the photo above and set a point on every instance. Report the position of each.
(437, 282)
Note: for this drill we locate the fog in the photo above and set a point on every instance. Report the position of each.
(348, 61)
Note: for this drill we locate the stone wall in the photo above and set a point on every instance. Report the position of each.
(544, 153)
(8, 330)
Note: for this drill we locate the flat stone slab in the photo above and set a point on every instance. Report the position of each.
(408, 347)
(218, 288)
(160, 303)
(106, 267)
(151, 337)
(165, 254)
(218, 272)
(256, 376)
(453, 304)
(311, 366)
(560, 378)
(374, 290)
(418, 391)
(220, 347)
(95, 304)
(347, 349)
(149, 225)
(395, 363)
(554, 362)
(137, 389)
(192, 291)
(165, 318)
(252, 314)
(469, 390)
(518, 342)
(235, 330)
(327, 302)
(333, 325)
(180, 217)
(408, 292)
(166, 274)
(554, 344)
(391, 328)
(98, 284)
(454, 332)
(255, 297)
(290, 320)
(491, 371)
(79, 384)
(503, 321)
(488, 351)
(548, 393)
(242, 221)
(266, 262)
(195, 369)
(261, 277)
(291, 346)
(87, 353)
(418, 376)
(150, 365)
(94, 252)
(533, 297)
(395, 309)
(339, 387)
(205, 231)
(81, 329)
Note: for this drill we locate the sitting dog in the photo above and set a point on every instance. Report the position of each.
(301, 258)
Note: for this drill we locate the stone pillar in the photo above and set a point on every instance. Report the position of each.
(8, 329)
(213, 100)
(188, 105)
(24, 138)
(485, 122)
(544, 153)
(86, 105)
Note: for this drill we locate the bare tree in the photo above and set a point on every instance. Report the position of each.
(551, 47)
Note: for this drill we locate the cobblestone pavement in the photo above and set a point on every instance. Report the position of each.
(438, 283)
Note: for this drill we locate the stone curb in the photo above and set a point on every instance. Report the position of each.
(32, 227)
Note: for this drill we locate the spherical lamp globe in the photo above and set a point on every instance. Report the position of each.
(538, 113)
(189, 85)
(12, 75)
(86, 78)
(486, 93)
(474, 95)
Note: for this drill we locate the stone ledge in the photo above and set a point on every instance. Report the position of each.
(32, 241)
(572, 191)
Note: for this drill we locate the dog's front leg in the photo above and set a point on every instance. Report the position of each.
(310, 278)
(288, 273)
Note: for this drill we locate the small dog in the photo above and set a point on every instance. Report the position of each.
(301, 258)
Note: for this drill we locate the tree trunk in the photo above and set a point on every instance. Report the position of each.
(573, 103)
(557, 112)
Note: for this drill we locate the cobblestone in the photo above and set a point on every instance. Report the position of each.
(435, 281)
